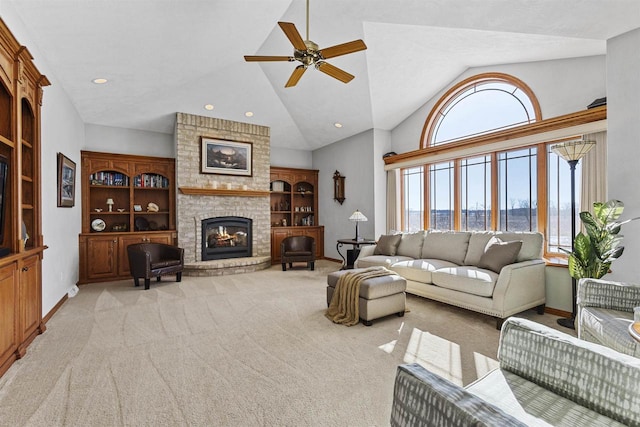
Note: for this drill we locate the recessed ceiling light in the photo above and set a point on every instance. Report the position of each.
(208, 107)
(99, 81)
(249, 114)
(338, 125)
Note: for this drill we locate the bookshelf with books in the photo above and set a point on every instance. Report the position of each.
(126, 199)
(294, 208)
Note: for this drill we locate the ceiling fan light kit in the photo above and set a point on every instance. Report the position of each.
(308, 54)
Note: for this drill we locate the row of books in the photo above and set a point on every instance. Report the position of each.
(150, 180)
(109, 178)
(122, 180)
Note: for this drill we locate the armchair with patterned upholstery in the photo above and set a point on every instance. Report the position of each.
(605, 311)
(147, 260)
(298, 249)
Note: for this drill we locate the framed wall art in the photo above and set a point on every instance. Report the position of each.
(225, 157)
(66, 181)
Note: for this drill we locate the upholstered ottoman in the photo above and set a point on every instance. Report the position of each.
(379, 296)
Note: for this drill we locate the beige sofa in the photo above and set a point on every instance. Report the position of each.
(488, 272)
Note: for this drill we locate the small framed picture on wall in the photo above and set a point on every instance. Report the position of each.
(66, 181)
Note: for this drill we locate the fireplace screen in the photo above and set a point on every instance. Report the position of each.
(226, 237)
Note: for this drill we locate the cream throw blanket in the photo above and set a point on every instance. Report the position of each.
(344, 308)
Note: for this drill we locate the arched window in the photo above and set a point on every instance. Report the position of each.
(480, 181)
(481, 104)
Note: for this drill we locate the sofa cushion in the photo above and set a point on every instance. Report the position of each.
(533, 404)
(388, 244)
(609, 328)
(419, 270)
(383, 260)
(497, 254)
(532, 243)
(477, 244)
(411, 244)
(468, 279)
(446, 245)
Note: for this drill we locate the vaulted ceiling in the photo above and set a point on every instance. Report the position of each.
(168, 56)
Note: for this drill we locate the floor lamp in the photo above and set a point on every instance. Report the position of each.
(572, 152)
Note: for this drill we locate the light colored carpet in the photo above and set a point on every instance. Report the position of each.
(245, 350)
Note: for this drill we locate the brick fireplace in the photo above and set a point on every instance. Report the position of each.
(241, 196)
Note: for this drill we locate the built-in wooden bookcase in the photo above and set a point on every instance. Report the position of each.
(136, 185)
(22, 244)
(294, 208)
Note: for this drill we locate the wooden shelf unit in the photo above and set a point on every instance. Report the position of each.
(294, 208)
(131, 182)
(21, 90)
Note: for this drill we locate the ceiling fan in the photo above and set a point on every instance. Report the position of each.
(307, 53)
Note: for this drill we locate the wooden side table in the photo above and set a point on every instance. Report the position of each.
(352, 254)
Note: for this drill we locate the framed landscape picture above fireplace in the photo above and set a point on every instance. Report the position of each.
(226, 157)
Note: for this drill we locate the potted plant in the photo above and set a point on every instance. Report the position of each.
(594, 251)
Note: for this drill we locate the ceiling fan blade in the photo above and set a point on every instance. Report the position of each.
(295, 76)
(343, 49)
(255, 58)
(293, 35)
(335, 72)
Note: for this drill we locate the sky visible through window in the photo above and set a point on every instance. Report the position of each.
(481, 109)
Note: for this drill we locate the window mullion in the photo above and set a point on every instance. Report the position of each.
(495, 209)
(457, 214)
(542, 190)
(426, 220)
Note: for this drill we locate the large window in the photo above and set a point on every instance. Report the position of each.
(413, 199)
(475, 193)
(517, 189)
(441, 196)
(512, 189)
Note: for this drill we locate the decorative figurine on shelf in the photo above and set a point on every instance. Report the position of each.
(284, 222)
(152, 207)
(110, 203)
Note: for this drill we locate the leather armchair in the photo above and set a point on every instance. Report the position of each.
(298, 249)
(147, 260)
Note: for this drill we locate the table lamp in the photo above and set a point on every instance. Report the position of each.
(357, 217)
(110, 203)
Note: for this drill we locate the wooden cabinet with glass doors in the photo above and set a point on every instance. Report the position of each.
(126, 199)
(21, 241)
(294, 208)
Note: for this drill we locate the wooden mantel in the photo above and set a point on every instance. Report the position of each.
(196, 191)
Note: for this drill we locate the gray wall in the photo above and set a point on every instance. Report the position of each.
(353, 158)
(62, 131)
(128, 141)
(623, 117)
(289, 158)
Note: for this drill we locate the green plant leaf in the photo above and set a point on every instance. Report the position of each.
(601, 270)
(588, 219)
(583, 250)
(594, 251)
(609, 211)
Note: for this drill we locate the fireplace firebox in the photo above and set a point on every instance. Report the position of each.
(226, 237)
